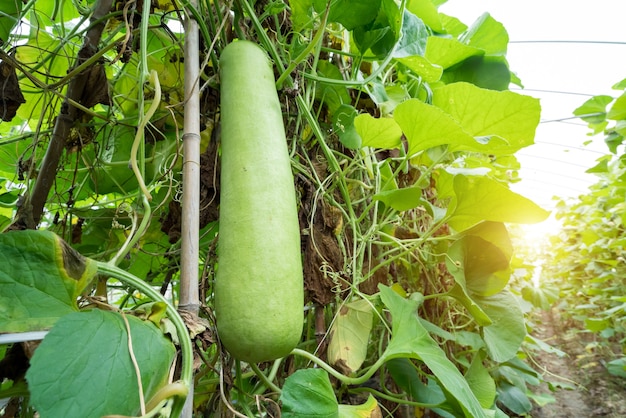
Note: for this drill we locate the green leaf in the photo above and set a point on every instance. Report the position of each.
(474, 263)
(602, 166)
(514, 399)
(414, 36)
(597, 324)
(343, 125)
(487, 34)
(617, 367)
(426, 126)
(593, 111)
(452, 25)
(481, 382)
(9, 17)
(426, 10)
(56, 11)
(479, 260)
(460, 293)
(406, 376)
(301, 13)
(618, 110)
(505, 335)
(369, 409)
(83, 366)
(349, 336)
(422, 67)
(41, 51)
(410, 339)
(377, 132)
(447, 52)
(488, 72)
(40, 279)
(350, 13)
(332, 95)
(307, 393)
(110, 171)
(478, 198)
(486, 113)
(402, 199)
(540, 297)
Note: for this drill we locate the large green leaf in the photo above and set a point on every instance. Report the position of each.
(487, 34)
(481, 382)
(402, 199)
(486, 113)
(427, 11)
(414, 37)
(480, 266)
(83, 367)
(514, 398)
(332, 95)
(460, 293)
(406, 376)
(483, 71)
(109, 171)
(349, 335)
(377, 132)
(505, 335)
(428, 71)
(479, 198)
(301, 13)
(40, 280)
(447, 52)
(617, 367)
(307, 393)
(54, 11)
(410, 339)
(426, 126)
(350, 13)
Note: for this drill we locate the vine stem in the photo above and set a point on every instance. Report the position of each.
(138, 163)
(316, 39)
(342, 378)
(139, 135)
(264, 378)
(131, 351)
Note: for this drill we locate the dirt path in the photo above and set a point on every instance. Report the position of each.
(595, 392)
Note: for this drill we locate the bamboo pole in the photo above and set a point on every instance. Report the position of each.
(189, 293)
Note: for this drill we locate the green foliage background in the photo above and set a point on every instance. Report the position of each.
(402, 134)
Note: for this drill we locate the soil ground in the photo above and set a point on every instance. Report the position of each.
(594, 392)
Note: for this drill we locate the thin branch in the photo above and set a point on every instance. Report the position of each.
(29, 213)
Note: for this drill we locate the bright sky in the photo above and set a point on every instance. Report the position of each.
(556, 164)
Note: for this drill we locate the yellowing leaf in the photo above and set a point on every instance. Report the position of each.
(369, 409)
(350, 332)
(40, 280)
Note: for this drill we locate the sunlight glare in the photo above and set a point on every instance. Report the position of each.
(534, 234)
